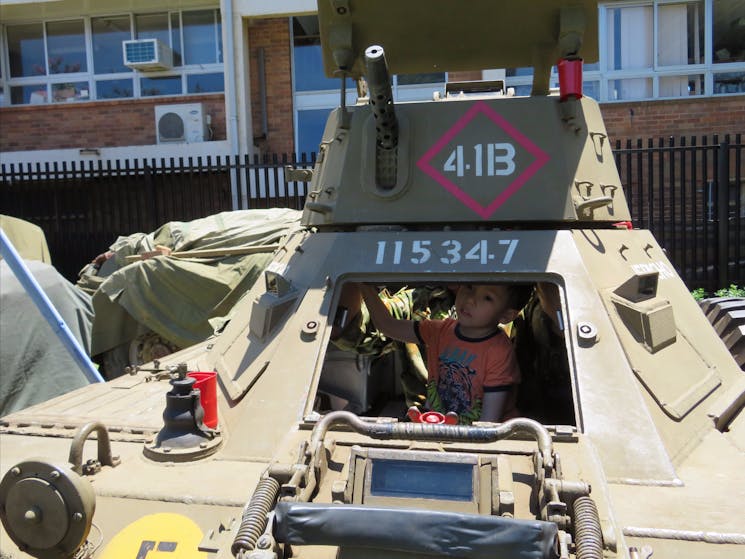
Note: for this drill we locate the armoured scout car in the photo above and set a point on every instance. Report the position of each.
(303, 449)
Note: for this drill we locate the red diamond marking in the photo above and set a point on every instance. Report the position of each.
(541, 158)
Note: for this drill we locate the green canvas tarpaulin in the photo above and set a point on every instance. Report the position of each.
(34, 364)
(181, 298)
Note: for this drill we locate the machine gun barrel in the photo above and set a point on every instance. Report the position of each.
(381, 97)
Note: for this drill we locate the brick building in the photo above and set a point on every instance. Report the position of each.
(253, 70)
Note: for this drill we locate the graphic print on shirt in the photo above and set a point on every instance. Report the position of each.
(454, 386)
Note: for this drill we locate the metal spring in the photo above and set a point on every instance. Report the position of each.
(253, 522)
(587, 533)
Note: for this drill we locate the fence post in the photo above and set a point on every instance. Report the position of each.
(235, 184)
(723, 213)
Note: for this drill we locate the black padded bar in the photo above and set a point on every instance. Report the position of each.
(414, 531)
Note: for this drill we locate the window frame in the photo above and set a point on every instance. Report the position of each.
(90, 77)
(657, 71)
(604, 75)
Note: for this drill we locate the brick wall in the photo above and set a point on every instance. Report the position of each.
(654, 119)
(131, 121)
(272, 36)
(125, 122)
(685, 117)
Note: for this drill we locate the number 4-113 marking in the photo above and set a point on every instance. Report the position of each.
(501, 154)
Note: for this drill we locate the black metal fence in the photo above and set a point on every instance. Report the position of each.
(688, 192)
(691, 194)
(83, 208)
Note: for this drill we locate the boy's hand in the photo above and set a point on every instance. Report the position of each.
(402, 330)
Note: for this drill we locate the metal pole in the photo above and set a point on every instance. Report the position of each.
(231, 103)
(45, 306)
(723, 214)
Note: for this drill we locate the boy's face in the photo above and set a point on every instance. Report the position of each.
(482, 307)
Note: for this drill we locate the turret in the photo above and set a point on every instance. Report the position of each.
(472, 154)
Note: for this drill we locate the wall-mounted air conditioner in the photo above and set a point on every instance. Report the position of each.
(184, 123)
(147, 54)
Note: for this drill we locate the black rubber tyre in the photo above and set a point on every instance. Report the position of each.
(727, 316)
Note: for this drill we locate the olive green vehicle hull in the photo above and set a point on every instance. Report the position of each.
(661, 473)
(476, 186)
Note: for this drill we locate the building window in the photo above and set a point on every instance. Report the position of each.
(107, 36)
(160, 85)
(205, 83)
(202, 42)
(26, 53)
(153, 26)
(114, 89)
(66, 47)
(315, 95)
(680, 34)
(630, 38)
(81, 59)
(729, 82)
(658, 48)
(728, 32)
(310, 124)
(652, 49)
(653, 41)
(308, 68)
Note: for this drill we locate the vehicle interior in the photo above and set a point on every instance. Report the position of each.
(373, 376)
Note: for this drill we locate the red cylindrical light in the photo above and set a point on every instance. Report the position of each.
(570, 78)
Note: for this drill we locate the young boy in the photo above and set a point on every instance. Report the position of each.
(472, 369)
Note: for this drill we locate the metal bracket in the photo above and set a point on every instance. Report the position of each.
(104, 447)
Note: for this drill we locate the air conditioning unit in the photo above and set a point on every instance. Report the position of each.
(147, 54)
(181, 124)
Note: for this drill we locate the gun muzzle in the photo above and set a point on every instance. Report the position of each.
(381, 97)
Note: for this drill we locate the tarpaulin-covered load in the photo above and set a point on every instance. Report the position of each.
(148, 307)
(28, 239)
(34, 364)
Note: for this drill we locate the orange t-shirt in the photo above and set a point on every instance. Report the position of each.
(461, 369)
